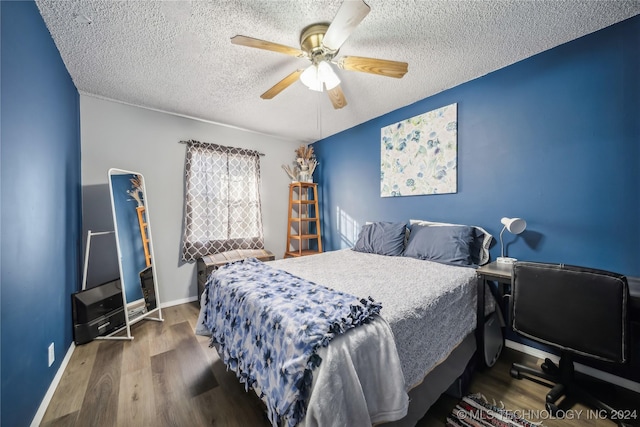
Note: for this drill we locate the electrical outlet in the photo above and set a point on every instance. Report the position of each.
(52, 354)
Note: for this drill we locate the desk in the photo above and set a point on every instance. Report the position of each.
(500, 273)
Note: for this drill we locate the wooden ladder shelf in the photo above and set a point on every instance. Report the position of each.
(303, 226)
(143, 234)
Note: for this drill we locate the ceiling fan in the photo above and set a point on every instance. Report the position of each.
(320, 43)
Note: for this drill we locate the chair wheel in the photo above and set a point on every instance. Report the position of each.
(551, 408)
(515, 373)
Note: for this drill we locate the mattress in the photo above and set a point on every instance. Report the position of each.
(430, 307)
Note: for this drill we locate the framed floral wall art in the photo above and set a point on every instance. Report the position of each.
(420, 155)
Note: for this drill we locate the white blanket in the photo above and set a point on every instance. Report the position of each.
(347, 390)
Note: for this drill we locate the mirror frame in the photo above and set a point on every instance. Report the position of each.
(132, 316)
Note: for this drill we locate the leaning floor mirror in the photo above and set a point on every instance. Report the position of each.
(130, 207)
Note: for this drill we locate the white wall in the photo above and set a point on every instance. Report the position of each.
(120, 136)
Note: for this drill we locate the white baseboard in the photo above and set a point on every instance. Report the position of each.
(178, 302)
(595, 373)
(37, 419)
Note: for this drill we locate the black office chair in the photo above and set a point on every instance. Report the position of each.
(577, 310)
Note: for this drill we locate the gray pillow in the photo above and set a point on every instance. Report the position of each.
(382, 238)
(447, 245)
(480, 246)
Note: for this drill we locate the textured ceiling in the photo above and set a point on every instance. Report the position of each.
(175, 56)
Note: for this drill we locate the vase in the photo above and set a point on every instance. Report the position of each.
(305, 176)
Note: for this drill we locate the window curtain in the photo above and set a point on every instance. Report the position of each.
(222, 200)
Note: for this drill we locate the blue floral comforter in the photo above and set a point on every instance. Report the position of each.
(269, 324)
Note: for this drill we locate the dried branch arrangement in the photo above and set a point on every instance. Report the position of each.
(136, 189)
(304, 165)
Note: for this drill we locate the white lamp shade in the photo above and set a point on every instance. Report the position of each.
(311, 79)
(327, 75)
(514, 225)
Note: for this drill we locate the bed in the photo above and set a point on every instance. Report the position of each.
(410, 351)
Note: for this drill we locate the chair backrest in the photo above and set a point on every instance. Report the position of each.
(577, 309)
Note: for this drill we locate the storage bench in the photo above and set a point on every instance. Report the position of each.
(206, 265)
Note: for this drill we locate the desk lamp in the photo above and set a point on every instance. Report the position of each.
(515, 226)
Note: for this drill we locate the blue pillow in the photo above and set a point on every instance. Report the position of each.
(382, 238)
(447, 245)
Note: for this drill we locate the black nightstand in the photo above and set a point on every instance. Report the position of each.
(489, 337)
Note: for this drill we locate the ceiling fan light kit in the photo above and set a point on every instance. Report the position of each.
(320, 43)
(320, 75)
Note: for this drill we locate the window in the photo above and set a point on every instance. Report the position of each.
(222, 200)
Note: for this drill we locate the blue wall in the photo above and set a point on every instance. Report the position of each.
(41, 221)
(554, 139)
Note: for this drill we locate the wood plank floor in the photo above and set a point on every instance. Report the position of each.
(168, 376)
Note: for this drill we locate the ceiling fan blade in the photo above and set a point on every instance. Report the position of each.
(263, 44)
(382, 67)
(350, 14)
(337, 97)
(282, 85)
